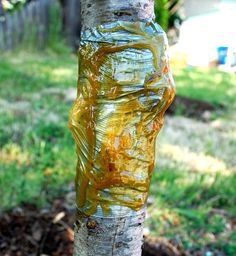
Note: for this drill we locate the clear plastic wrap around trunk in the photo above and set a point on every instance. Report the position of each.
(124, 87)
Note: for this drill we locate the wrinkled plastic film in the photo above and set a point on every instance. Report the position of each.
(124, 88)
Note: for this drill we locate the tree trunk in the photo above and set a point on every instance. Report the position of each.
(103, 11)
(124, 88)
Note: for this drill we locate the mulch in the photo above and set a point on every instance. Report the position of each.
(29, 231)
(193, 108)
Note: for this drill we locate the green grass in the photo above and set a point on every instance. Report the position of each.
(25, 73)
(37, 156)
(198, 209)
(37, 160)
(46, 160)
(210, 85)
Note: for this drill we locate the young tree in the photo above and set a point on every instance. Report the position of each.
(124, 88)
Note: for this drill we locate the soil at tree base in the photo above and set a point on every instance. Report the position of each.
(30, 231)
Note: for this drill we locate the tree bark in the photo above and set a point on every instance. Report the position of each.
(94, 13)
(124, 88)
(116, 234)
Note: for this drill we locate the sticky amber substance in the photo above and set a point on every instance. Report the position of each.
(124, 88)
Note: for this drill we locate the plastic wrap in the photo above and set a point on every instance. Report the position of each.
(124, 88)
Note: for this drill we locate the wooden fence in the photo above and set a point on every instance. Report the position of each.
(29, 24)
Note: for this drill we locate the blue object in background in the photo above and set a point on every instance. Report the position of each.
(222, 54)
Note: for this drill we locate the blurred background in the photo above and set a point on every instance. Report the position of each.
(192, 203)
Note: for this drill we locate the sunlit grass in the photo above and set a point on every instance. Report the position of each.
(37, 155)
(197, 146)
(12, 153)
(198, 162)
(210, 85)
(30, 72)
(196, 209)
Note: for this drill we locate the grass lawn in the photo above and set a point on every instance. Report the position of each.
(193, 193)
(37, 156)
(210, 85)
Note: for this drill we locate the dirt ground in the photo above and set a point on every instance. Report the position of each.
(28, 231)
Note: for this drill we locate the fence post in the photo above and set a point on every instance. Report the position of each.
(1, 9)
(71, 21)
(1, 36)
(8, 32)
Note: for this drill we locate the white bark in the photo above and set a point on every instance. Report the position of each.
(120, 233)
(110, 235)
(96, 12)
